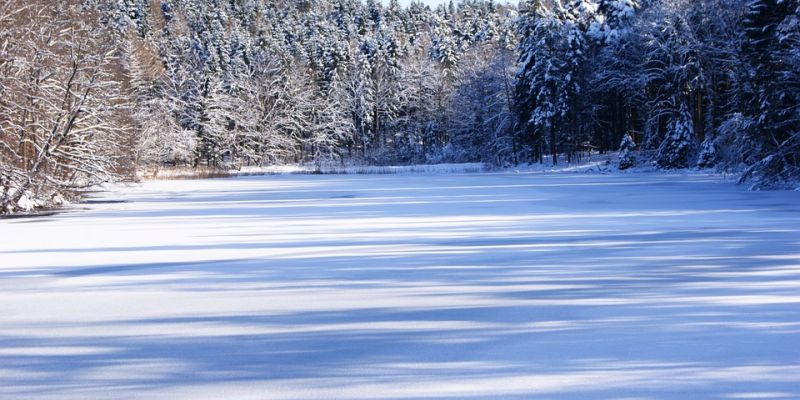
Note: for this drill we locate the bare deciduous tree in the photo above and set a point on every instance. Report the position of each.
(62, 113)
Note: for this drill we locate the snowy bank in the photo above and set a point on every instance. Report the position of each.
(309, 169)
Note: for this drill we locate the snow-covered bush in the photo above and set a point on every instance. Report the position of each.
(775, 171)
(734, 144)
(626, 157)
(708, 153)
(677, 147)
(4, 194)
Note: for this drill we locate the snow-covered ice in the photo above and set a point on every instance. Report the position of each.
(493, 285)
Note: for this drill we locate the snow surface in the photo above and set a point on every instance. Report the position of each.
(494, 285)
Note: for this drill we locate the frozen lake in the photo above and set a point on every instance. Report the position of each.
(501, 286)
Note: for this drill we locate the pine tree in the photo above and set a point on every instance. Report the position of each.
(677, 148)
(547, 84)
(708, 153)
(627, 158)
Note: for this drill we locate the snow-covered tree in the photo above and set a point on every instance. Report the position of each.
(678, 147)
(63, 113)
(771, 31)
(482, 107)
(627, 158)
(540, 76)
(708, 153)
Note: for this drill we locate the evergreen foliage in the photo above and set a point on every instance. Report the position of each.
(627, 158)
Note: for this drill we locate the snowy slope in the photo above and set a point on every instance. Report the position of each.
(552, 286)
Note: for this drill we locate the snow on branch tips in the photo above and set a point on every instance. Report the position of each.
(62, 109)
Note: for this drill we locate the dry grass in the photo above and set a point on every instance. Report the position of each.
(185, 173)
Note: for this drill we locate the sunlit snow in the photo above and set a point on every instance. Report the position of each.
(446, 286)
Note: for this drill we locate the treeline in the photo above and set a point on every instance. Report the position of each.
(92, 90)
(226, 84)
(235, 83)
(711, 83)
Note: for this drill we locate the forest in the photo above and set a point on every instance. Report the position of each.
(92, 91)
